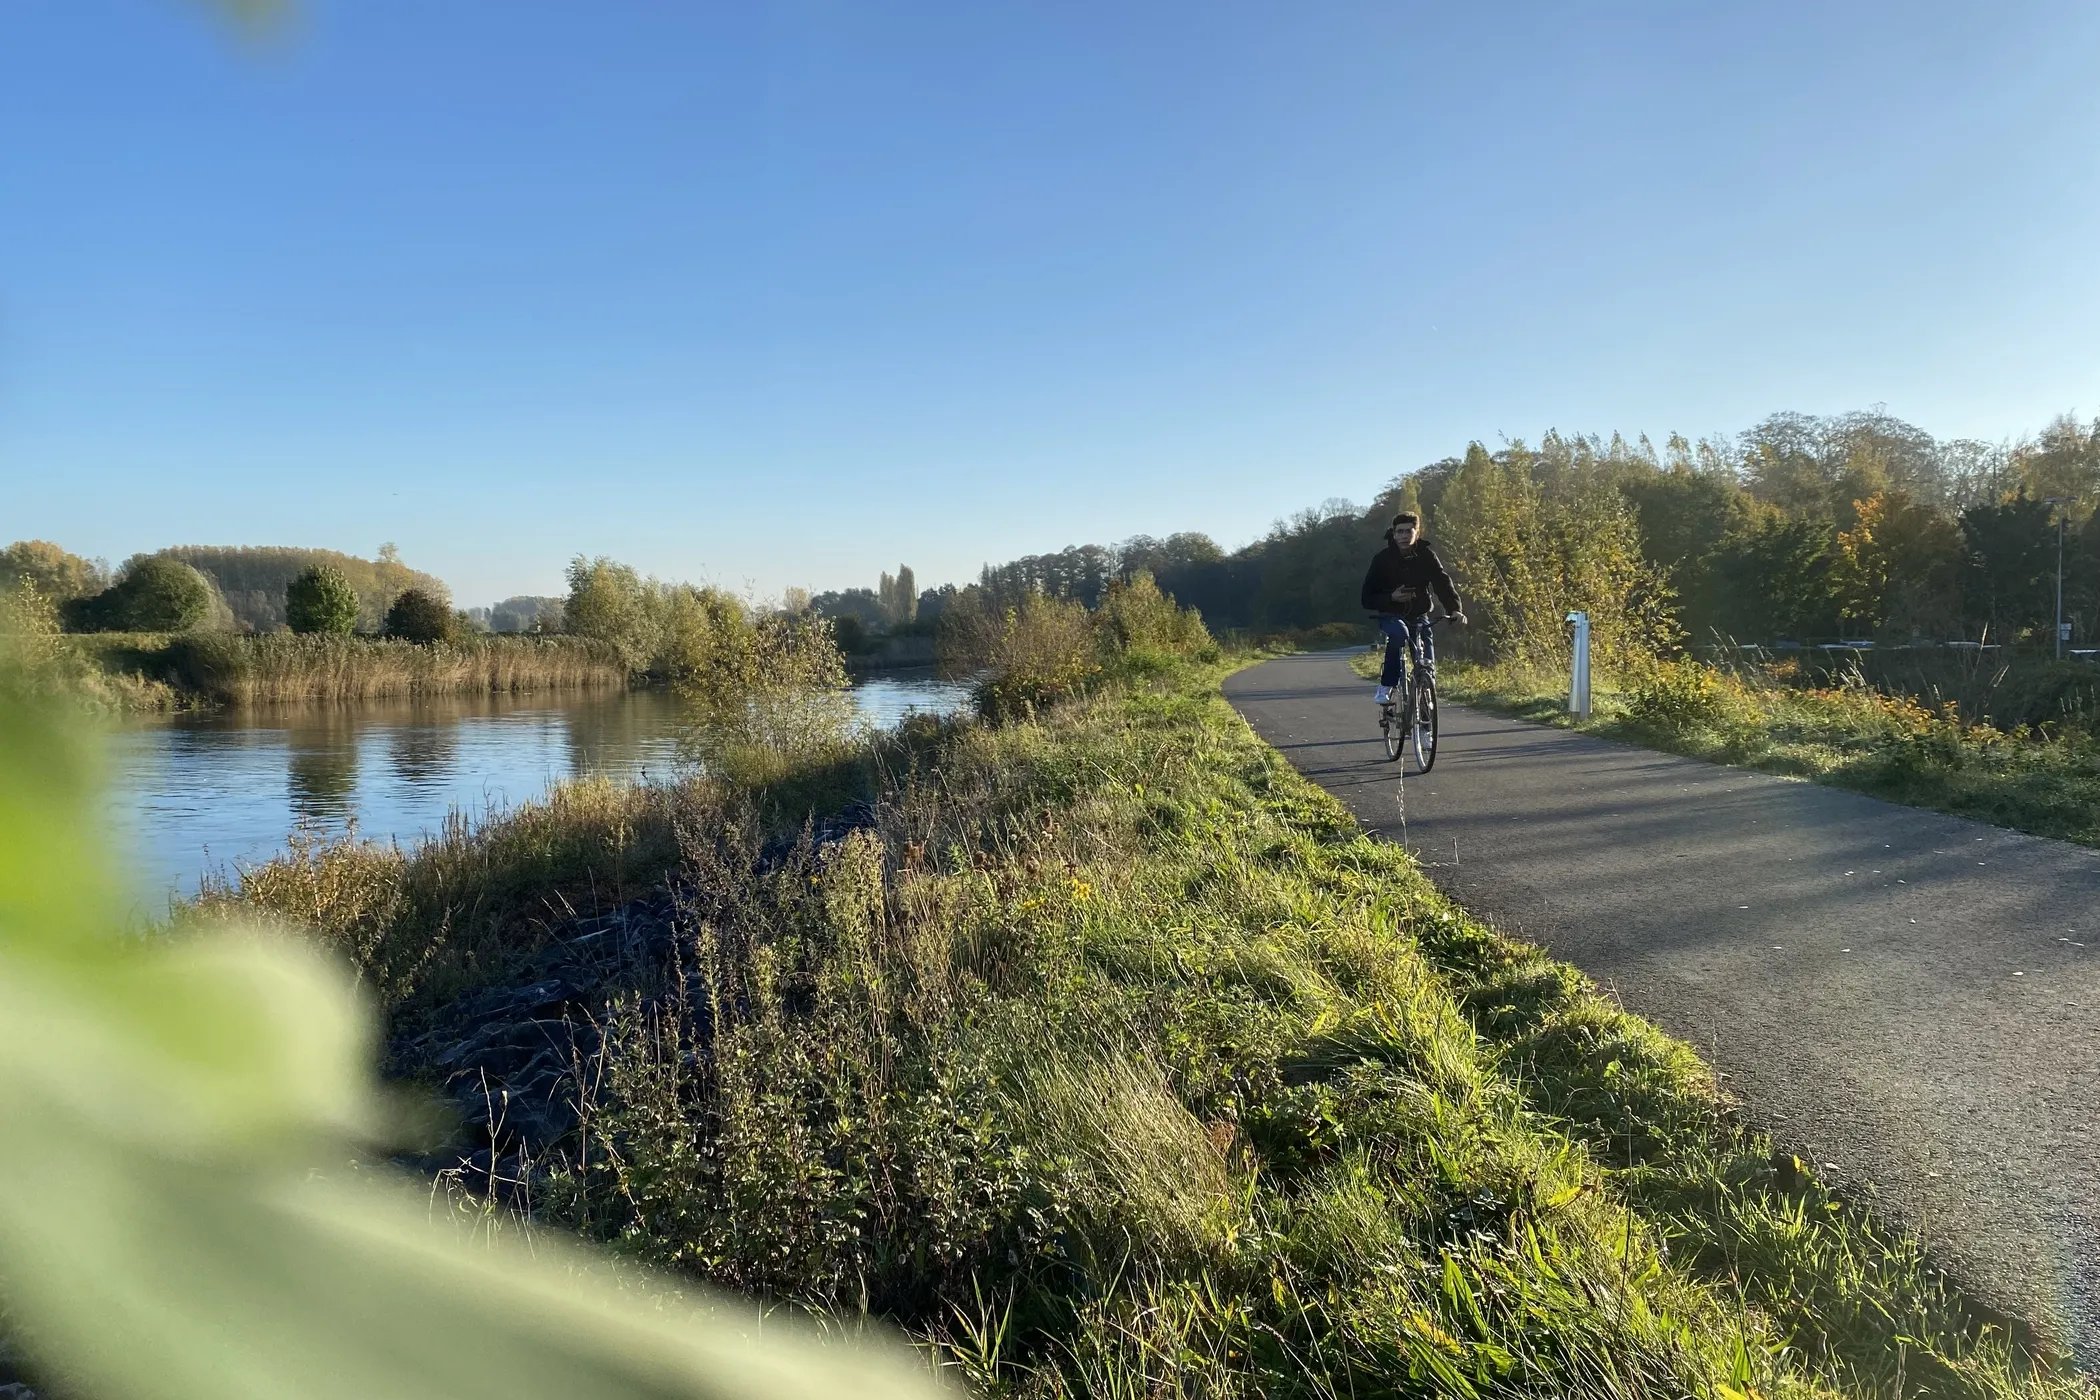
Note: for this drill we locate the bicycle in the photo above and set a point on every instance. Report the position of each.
(1412, 718)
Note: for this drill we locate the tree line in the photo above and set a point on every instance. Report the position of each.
(1800, 529)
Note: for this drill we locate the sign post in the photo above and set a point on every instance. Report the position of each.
(1579, 682)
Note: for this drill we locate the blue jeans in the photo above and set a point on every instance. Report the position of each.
(1396, 630)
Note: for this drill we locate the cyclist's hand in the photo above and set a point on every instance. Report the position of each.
(1459, 618)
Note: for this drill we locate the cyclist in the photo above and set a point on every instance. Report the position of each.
(1398, 587)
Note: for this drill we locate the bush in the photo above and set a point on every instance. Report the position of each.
(1044, 652)
(420, 616)
(156, 594)
(1136, 619)
(609, 601)
(321, 599)
(1677, 697)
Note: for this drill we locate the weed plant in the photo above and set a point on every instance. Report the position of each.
(1113, 1059)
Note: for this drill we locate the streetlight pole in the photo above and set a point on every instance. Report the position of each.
(2058, 502)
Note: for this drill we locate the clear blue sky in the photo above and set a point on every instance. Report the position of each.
(784, 293)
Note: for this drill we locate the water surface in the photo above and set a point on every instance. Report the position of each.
(197, 793)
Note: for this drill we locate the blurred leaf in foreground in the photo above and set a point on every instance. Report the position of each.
(178, 1212)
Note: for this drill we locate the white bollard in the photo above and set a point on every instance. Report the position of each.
(1579, 682)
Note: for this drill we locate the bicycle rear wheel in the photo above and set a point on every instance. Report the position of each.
(1423, 727)
(1395, 732)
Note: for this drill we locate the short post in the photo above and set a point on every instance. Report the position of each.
(1579, 682)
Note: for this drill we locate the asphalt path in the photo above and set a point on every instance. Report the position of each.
(1909, 1000)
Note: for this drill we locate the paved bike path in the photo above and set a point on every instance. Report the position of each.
(1897, 995)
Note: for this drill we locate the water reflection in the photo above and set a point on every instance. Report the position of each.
(420, 755)
(321, 772)
(207, 792)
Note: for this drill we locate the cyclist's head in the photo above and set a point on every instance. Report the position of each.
(1406, 525)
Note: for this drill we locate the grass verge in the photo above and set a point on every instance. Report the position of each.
(2042, 780)
(1110, 1058)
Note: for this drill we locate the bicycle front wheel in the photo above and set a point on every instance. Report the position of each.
(1424, 724)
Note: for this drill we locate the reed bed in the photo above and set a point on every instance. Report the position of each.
(281, 669)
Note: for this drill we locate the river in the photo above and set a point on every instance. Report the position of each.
(210, 792)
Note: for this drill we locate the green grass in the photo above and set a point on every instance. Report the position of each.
(2045, 781)
(1115, 1060)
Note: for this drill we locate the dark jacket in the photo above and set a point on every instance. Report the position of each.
(1416, 568)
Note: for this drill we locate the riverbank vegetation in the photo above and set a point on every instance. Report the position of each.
(158, 635)
(107, 673)
(710, 644)
(1106, 1056)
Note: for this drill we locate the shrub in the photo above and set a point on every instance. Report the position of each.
(420, 616)
(321, 599)
(711, 647)
(155, 594)
(608, 600)
(1135, 618)
(1044, 652)
(1675, 697)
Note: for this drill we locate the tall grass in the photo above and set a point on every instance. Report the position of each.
(1113, 1059)
(108, 672)
(282, 668)
(466, 906)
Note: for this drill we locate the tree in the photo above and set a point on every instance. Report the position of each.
(419, 616)
(152, 594)
(610, 601)
(254, 580)
(55, 574)
(1684, 513)
(2064, 464)
(861, 604)
(1898, 567)
(1774, 580)
(320, 600)
(526, 613)
(899, 597)
(2011, 575)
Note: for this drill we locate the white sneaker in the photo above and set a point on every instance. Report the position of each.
(1384, 695)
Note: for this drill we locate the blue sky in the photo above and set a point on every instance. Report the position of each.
(784, 294)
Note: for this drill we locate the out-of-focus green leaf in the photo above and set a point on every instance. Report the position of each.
(178, 1216)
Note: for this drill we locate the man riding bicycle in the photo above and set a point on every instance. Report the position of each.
(1398, 587)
